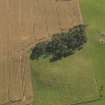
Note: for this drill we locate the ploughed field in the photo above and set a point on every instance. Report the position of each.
(23, 23)
(80, 78)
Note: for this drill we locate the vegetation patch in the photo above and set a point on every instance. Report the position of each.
(90, 59)
(61, 44)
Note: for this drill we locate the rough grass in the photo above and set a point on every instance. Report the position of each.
(66, 80)
(50, 79)
(93, 13)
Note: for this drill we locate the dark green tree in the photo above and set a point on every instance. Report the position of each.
(61, 44)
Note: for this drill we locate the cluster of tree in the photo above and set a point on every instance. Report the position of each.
(61, 44)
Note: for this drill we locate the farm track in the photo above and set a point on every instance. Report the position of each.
(24, 23)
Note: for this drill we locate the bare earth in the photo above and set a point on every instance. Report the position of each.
(23, 23)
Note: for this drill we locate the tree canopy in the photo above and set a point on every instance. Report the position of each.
(61, 44)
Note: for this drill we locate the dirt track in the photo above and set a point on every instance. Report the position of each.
(23, 23)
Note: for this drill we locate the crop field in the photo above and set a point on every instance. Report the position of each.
(80, 78)
(76, 80)
(15, 73)
(22, 24)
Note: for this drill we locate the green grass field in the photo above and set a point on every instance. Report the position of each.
(77, 78)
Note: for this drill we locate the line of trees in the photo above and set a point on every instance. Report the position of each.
(61, 44)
